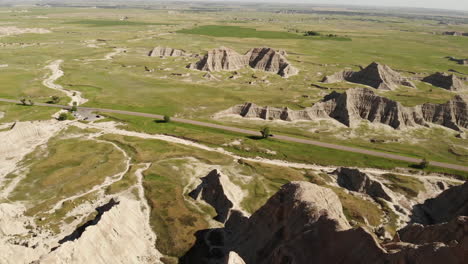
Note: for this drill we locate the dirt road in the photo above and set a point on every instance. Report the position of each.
(256, 133)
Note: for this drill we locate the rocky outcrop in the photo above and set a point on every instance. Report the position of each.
(166, 52)
(270, 60)
(220, 59)
(375, 75)
(304, 223)
(453, 114)
(454, 33)
(450, 82)
(455, 230)
(122, 235)
(217, 190)
(459, 61)
(355, 105)
(448, 205)
(226, 59)
(356, 181)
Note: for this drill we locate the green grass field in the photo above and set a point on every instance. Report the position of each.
(243, 32)
(122, 82)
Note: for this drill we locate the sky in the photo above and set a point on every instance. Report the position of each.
(445, 4)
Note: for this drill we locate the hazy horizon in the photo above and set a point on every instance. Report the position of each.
(455, 5)
(434, 4)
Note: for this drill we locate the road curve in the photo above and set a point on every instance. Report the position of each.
(256, 133)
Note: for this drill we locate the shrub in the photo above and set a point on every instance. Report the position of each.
(424, 164)
(62, 117)
(265, 132)
(311, 33)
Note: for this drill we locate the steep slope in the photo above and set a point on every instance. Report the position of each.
(225, 59)
(447, 81)
(217, 190)
(354, 180)
(166, 52)
(447, 232)
(453, 114)
(304, 223)
(270, 60)
(220, 59)
(448, 205)
(375, 75)
(355, 105)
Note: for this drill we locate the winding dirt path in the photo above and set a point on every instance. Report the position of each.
(107, 182)
(110, 128)
(57, 73)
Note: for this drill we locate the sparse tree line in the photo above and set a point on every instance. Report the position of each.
(25, 101)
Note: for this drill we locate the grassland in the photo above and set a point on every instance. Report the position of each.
(123, 83)
(405, 185)
(175, 217)
(221, 31)
(251, 147)
(64, 168)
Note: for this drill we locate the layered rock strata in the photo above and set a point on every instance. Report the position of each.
(226, 59)
(166, 52)
(447, 81)
(356, 181)
(375, 75)
(355, 105)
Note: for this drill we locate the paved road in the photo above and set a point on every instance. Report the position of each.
(256, 133)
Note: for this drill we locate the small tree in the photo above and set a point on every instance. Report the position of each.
(167, 119)
(265, 132)
(311, 33)
(424, 164)
(31, 102)
(74, 108)
(63, 117)
(23, 101)
(55, 99)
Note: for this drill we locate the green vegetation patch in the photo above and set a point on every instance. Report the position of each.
(243, 32)
(405, 185)
(358, 209)
(111, 23)
(65, 168)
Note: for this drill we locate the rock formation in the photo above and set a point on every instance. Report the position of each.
(122, 237)
(220, 59)
(166, 52)
(459, 61)
(447, 81)
(454, 33)
(447, 232)
(356, 181)
(304, 223)
(375, 75)
(453, 114)
(448, 205)
(267, 59)
(355, 105)
(225, 59)
(219, 192)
